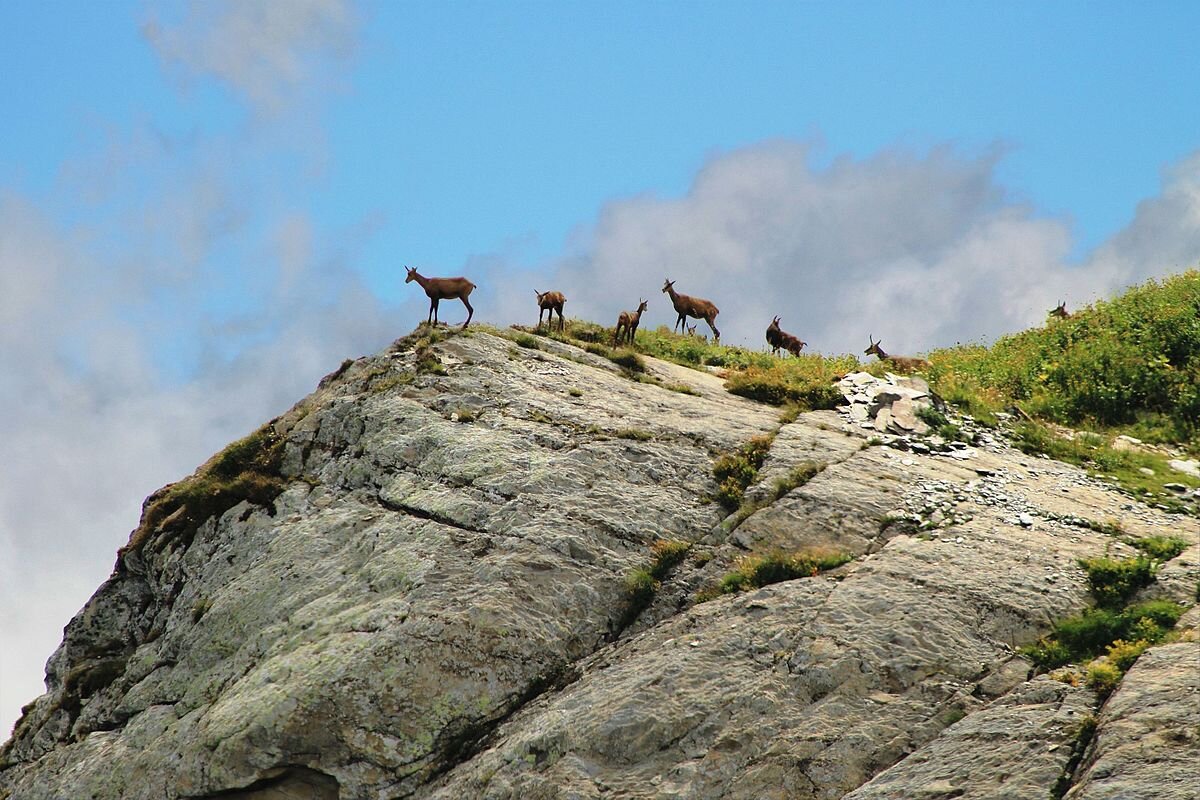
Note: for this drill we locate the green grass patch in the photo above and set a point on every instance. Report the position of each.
(635, 434)
(642, 584)
(1114, 582)
(1161, 548)
(1091, 633)
(735, 471)
(755, 571)
(246, 470)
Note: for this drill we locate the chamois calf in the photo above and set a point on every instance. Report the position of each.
(778, 338)
(551, 302)
(899, 363)
(440, 289)
(627, 325)
(1060, 311)
(695, 307)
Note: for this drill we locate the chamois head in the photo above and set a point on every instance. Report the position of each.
(874, 349)
(412, 274)
(668, 286)
(1060, 311)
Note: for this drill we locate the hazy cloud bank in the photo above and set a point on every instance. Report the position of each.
(264, 49)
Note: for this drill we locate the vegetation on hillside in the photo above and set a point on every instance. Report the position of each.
(1131, 363)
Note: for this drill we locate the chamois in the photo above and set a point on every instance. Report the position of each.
(899, 363)
(441, 289)
(778, 338)
(691, 329)
(551, 302)
(695, 307)
(627, 324)
(1060, 311)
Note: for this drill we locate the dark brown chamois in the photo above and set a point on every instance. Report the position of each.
(694, 307)
(550, 301)
(899, 363)
(778, 338)
(1060, 311)
(627, 325)
(442, 289)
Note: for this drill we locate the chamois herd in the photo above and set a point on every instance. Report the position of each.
(686, 306)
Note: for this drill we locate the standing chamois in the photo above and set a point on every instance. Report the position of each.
(550, 301)
(778, 338)
(627, 325)
(695, 307)
(441, 289)
(899, 363)
(1060, 311)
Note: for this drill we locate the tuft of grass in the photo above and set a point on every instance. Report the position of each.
(627, 359)
(1083, 737)
(527, 341)
(575, 392)
(755, 571)
(1161, 548)
(735, 471)
(248, 469)
(642, 584)
(683, 388)
(782, 384)
(636, 434)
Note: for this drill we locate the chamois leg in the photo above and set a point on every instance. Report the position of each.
(470, 313)
(716, 333)
(562, 323)
(432, 318)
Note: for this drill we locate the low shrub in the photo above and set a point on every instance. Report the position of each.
(1091, 633)
(1112, 582)
(1103, 678)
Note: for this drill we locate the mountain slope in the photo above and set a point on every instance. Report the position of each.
(417, 584)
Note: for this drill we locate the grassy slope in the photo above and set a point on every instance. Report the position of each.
(1130, 365)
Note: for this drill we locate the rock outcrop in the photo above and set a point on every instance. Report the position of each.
(419, 587)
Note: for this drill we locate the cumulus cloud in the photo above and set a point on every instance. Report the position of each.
(921, 249)
(265, 50)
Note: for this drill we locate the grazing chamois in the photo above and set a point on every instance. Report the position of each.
(441, 289)
(550, 301)
(691, 329)
(627, 324)
(899, 363)
(1060, 311)
(778, 338)
(695, 307)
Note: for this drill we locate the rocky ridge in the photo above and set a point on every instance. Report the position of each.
(433, 602)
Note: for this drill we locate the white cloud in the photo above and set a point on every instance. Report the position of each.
(923, 250)
(266, 50)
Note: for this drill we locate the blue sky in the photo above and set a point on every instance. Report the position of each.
(206, 207)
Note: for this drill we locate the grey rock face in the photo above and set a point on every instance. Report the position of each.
(433, 602)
